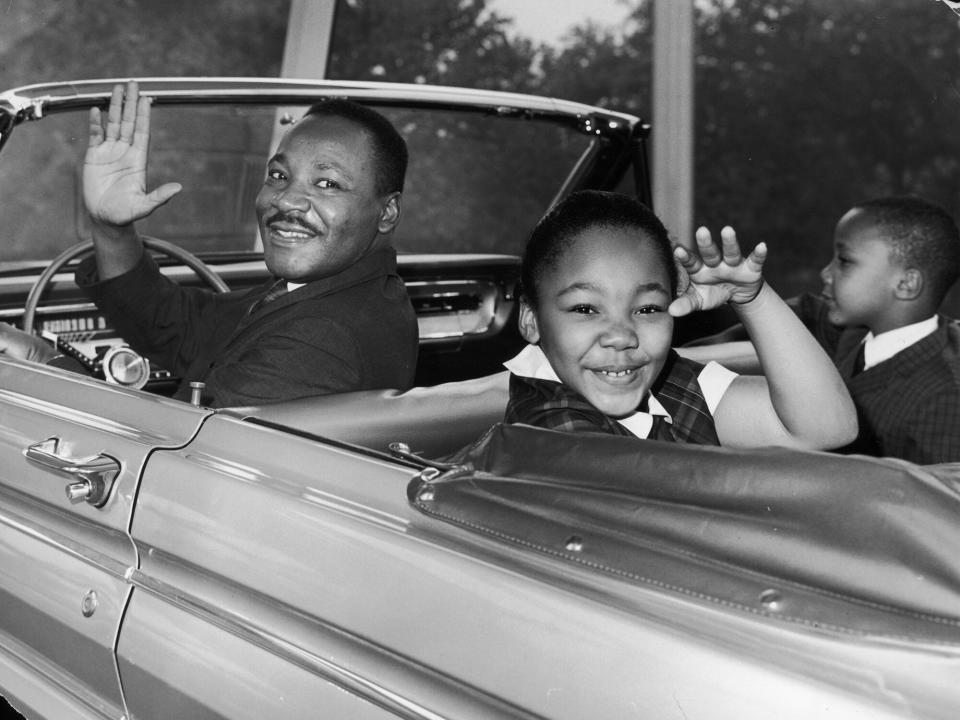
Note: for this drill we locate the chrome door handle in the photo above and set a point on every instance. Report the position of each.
(92, 476)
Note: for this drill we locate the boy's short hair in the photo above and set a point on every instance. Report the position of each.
(922, 235)
(389, 147)
(580, 211)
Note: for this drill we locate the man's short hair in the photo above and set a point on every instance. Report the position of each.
(922, 235)
(389, 147)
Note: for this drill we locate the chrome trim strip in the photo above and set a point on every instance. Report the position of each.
(251, 633)
(19, 655)
(17, 313)
(337, 674)
(441, 283)
(90, 420)
(65, 545)
(230, 269)
(468, 259)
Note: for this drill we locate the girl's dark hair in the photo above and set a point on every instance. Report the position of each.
(581, 211)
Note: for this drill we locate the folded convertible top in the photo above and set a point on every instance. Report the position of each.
(855, 544)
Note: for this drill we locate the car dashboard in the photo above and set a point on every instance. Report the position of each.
(465, 306)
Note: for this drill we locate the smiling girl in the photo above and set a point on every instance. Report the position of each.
(600, 291)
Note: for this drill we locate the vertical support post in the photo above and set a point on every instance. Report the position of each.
(305, 53)
(307, 46)
(673, 105)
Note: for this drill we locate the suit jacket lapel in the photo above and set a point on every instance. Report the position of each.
(904, 362)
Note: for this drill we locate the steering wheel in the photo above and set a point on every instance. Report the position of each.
(203, 271)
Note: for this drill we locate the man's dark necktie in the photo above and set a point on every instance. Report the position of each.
(276, 290)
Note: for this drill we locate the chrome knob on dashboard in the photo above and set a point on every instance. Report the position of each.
(196, 392)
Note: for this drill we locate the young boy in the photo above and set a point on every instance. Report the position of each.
(894, 260)
(599, 294)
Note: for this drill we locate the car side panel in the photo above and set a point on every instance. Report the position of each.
(276, 569)
(178, 664)
(44, 580)
(63, 566)
(233, 532)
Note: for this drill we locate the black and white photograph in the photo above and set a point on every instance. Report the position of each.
(480, 359)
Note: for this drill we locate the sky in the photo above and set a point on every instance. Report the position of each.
(547, 20)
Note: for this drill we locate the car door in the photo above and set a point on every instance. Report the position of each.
(230, 531)
(71, 453)
(270, 586)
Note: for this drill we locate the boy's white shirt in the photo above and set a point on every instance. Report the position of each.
(714, 380)
(877, 348)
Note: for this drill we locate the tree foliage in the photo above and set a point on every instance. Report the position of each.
(44, 41)
(443, 42)
(807, 107)
(803, 107)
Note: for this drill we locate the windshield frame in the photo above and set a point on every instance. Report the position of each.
(609, 140)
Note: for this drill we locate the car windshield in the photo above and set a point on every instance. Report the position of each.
(477, 182)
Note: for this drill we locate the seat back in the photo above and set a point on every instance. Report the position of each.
(434, 421)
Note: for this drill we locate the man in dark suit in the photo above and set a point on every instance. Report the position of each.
(335, 317)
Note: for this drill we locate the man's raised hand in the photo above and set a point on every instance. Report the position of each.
(115, 166)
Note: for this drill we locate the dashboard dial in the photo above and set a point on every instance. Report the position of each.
(123, 366)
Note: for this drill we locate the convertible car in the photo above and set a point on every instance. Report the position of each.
(324, 557)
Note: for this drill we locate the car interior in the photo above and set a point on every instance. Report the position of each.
(465, 221)
(466, 310)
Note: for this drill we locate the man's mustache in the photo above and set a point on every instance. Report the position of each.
(292, 219)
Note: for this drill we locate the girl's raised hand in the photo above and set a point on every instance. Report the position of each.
(717, 274)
